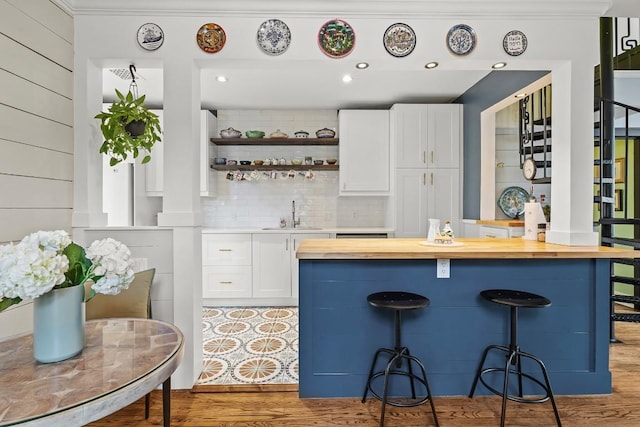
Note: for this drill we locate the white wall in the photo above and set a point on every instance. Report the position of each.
(36, 135)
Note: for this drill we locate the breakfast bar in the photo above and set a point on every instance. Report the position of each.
(339, 331)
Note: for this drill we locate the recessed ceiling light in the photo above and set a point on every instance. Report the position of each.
(222, 79)
(347, 78)
(430, 65)
(499, 65)
(362, 65)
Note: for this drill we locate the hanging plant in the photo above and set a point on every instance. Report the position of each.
(128, 128)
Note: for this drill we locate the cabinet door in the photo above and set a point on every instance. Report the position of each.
(444, 135)
(295, 242)
(226, 282)
(226, 249)
(409, 132)
(411, 203)
(364, 152)
(443, 196)
(271, 265)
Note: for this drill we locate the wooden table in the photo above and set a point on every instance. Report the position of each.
(571, 336)
(123, 360)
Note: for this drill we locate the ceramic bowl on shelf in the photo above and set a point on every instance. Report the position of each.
(301, 134)
(245, 162)
(230, 133)
(254, 134)
(296, 162)
(278, 134)
(332, 161)
(232, 162)
(325, 133)
(318, 162)
(258, 162)
(220, 160)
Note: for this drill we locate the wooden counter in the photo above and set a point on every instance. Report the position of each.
(501, 222)
(471, 249)
(340, 332)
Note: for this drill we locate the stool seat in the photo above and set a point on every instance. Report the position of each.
(398, 300)
(515, 298)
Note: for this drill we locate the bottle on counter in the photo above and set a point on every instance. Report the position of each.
(542, 232)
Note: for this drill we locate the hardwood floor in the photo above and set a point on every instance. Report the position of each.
(274, 409)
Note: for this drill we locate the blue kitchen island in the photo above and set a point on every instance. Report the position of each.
(340, 332)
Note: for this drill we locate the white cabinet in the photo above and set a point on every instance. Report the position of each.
(275, 266)
(246, 269)
(500, 232)
(271, 265)
(426, 135)
(154, 170)
(226, 266)
(426, 140)
(364, 153)
(426, 193)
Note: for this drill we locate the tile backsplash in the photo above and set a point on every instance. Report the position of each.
(262, 202)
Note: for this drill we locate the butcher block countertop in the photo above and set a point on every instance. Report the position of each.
(464, 249)
(501, 222)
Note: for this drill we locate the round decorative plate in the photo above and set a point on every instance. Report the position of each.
(150, 36)
(512, 201)
(514, 43)
(336, 38)
(399, 40)
(211, 38)
(274, 37)
(461, 39)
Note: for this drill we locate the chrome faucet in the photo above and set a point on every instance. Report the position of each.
(294, 221)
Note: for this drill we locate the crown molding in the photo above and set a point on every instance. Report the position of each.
(363, 8)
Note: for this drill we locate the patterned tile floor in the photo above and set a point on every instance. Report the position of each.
(249, 345)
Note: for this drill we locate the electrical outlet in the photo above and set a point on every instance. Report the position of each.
(443, 267)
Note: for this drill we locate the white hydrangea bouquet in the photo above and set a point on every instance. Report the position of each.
(47, 260)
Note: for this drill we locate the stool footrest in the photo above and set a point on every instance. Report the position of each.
(394, 401)
(515, 398)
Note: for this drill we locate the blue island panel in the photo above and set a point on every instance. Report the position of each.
(340, 332)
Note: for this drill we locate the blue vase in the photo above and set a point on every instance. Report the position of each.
(58, 324)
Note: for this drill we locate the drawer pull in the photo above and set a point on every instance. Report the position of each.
(491, 236)
(225, 250)
(225, 282)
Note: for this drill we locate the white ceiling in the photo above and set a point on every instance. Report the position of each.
(314, 84)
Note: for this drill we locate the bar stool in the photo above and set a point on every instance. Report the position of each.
(515, 299)
(398, 302)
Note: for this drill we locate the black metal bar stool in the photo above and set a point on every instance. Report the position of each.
(398, 301)
(513, 366)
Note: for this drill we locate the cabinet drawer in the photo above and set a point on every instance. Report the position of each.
(226, 249)
(494, 232)
(226, 282)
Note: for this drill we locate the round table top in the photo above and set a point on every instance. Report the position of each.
(122, 360)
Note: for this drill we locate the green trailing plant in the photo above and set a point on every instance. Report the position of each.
(120, 140)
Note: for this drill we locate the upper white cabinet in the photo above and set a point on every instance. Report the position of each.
(154, 173)
(364, 153)
(427, 135)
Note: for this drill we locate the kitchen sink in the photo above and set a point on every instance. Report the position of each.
(291, 228)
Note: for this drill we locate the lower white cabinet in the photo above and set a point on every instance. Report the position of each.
(426, 193)
(500, 232)
(246, 269)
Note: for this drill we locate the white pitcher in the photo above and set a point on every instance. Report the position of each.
(434, 228)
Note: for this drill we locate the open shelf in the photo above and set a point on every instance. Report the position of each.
(275, 167)
(275, 141)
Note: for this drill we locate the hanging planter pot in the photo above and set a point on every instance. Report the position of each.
(135, 128)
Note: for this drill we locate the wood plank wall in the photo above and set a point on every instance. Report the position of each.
(36, 133)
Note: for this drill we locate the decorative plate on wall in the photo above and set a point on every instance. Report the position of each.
(336, 38)
(274, 37)
(150, 36)
(461, 39)
(399, 40)
(211, 38)
(512, 200)
(514, 43)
